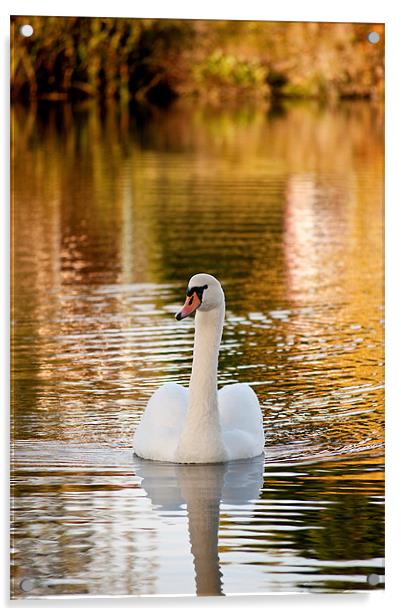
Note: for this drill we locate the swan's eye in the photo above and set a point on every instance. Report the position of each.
(197, 290)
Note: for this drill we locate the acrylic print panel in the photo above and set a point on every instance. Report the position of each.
(144, 152)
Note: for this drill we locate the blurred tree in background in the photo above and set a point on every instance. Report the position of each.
(154, 60)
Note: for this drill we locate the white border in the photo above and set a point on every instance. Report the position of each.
(285, 10)
(387, 11)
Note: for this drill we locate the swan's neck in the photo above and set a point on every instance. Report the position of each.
(203, 383)
(201, 437)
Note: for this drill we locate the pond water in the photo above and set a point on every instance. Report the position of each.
(112, 214)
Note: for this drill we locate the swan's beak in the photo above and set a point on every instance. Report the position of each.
(191, 304)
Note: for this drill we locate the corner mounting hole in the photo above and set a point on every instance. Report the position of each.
(27, 585)
(26, 30)
(373, 37)
(373, 579)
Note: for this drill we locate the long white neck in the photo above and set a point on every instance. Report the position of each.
(201, 439)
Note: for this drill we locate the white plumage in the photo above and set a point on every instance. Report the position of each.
(201, 424)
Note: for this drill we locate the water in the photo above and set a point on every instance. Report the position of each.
(112, 215)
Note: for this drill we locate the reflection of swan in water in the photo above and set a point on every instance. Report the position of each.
(202, 488)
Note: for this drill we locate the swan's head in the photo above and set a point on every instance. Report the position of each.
(204, 293)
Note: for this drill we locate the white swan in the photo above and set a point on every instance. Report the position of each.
(201, 424)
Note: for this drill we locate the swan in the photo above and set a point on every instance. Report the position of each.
(201, 424)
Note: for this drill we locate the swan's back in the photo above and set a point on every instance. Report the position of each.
(241, 421)
(156, 437)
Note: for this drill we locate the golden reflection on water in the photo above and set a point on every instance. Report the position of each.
(112, 213)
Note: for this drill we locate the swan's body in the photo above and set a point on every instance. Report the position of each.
(201, 424)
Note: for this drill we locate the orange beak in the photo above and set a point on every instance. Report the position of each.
(191, 304)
